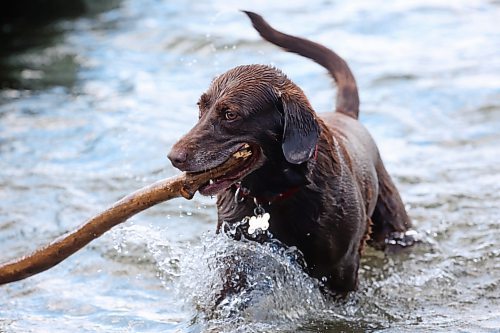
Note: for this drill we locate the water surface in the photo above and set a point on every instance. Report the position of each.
(94, 111)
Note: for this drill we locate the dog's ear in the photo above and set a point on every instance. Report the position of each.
(301, 130)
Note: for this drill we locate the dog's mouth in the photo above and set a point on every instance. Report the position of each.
(249, 155)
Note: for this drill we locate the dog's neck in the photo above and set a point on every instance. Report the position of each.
(276, 178)
(242, 194)
(291, 179)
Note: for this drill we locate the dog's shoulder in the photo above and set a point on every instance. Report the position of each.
(352, 134)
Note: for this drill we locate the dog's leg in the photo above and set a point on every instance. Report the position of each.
(344, 278)
(234, 277)
(390, 222)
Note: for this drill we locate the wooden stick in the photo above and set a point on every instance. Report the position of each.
(184, 185)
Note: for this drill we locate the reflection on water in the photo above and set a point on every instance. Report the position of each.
(89, 107)
(32, 55)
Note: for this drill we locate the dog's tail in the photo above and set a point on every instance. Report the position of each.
(347, 91)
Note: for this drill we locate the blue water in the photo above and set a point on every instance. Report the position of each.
(101, 105)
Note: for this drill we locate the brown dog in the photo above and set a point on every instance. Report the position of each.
(321, 179)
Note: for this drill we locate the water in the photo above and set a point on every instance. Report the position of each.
(90, 115)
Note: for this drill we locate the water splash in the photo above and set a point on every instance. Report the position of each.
(246, 286)
(228, 282)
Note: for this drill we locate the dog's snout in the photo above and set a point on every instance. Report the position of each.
(178, 157)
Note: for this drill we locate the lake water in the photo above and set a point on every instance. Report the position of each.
(90, 114)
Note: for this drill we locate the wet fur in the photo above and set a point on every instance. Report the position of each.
(344, 194)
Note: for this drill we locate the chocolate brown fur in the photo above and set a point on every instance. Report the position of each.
(342, 187)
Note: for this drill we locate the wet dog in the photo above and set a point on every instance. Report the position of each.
(320, 179)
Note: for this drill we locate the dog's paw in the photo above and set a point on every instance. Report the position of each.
(398, 241)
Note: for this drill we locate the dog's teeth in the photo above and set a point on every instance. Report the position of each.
(246, 145)
(211, 181)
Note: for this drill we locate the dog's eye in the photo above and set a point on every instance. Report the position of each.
(228, 115)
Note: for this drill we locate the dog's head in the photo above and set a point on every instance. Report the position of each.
(255, 108)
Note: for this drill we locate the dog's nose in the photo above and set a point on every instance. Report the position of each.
(178, 157)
